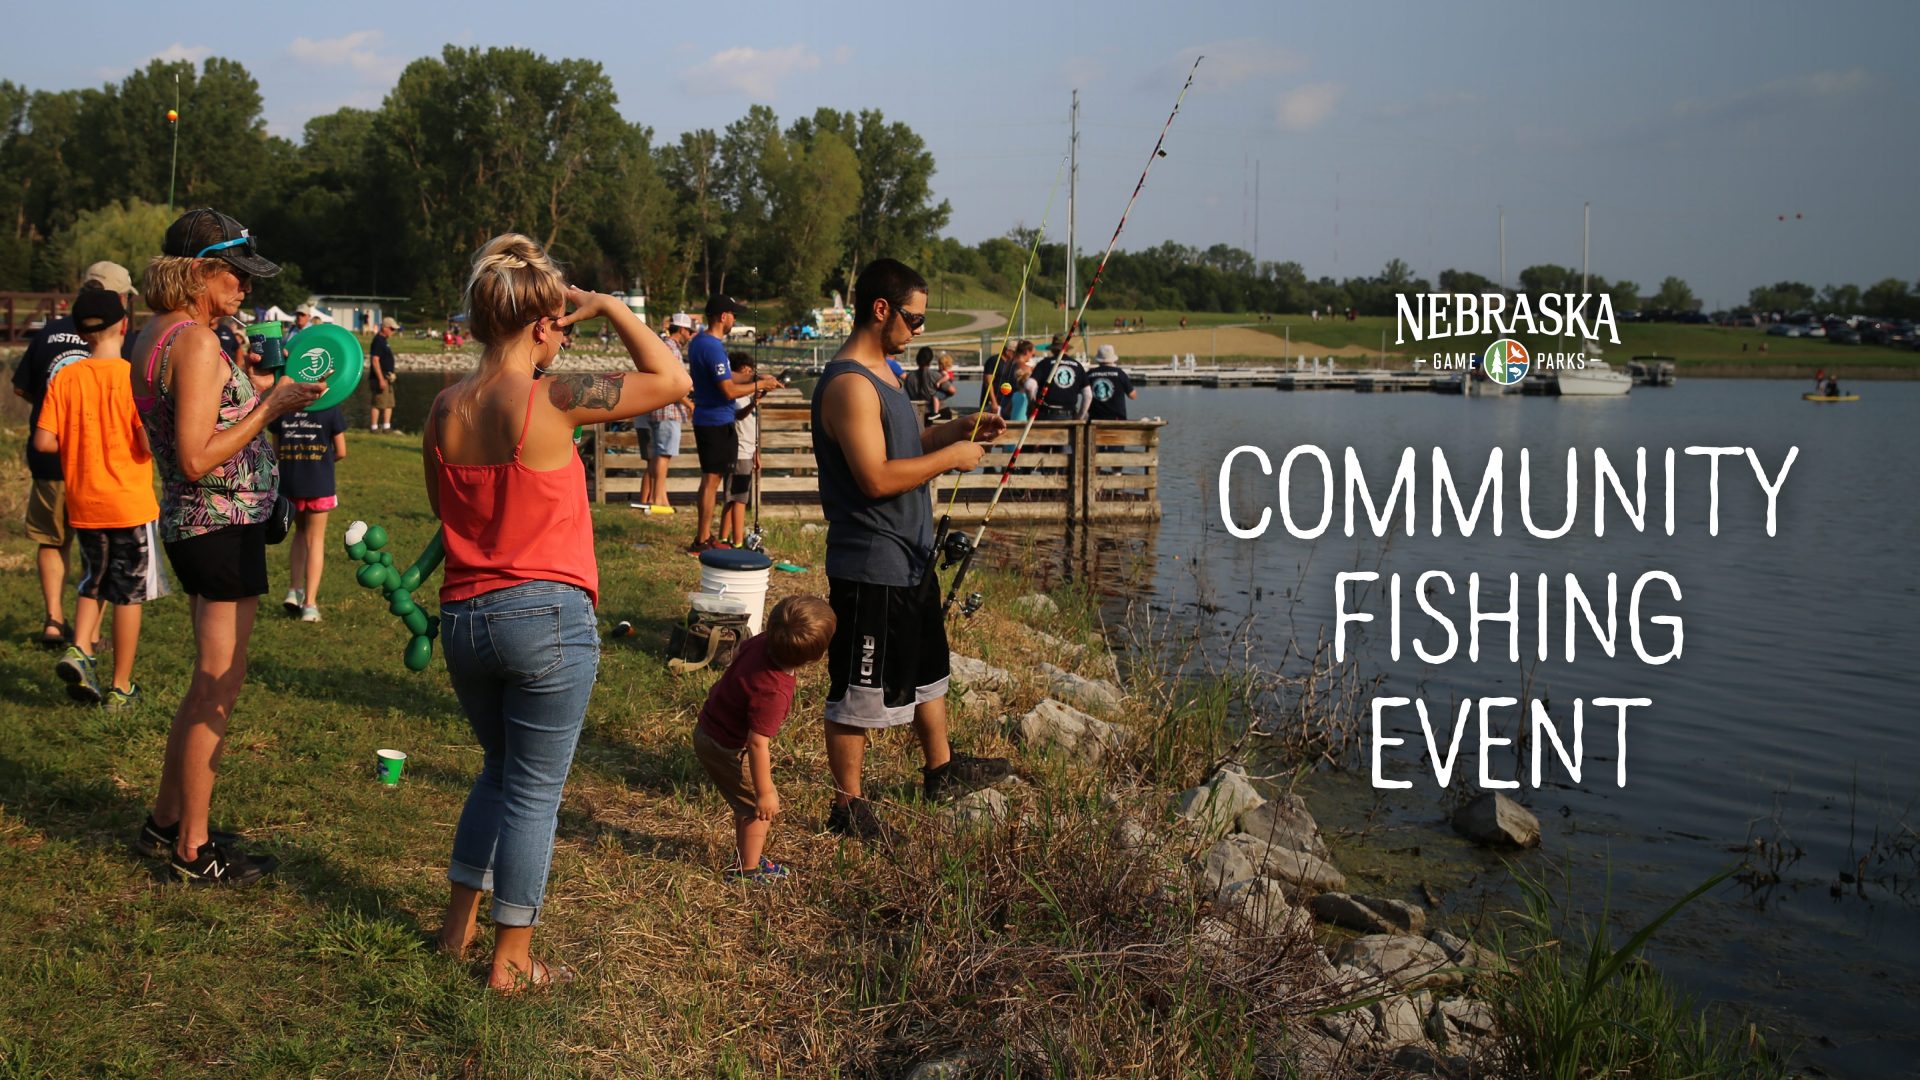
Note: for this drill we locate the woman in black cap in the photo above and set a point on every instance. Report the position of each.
(206, 416)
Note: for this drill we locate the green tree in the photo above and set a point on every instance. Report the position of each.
(1626, 296)
(1840, 299)
(896, 215)
(485, 141)
(128, 233)
(1783, 296)
(691, 170)
(812, 188)
(1887, 298)
(1675, 295)
(1466, 281)
(1548, 278)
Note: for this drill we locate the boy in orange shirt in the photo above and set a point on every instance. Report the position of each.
(89, 420)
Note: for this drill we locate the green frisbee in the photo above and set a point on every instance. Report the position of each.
(326, 353)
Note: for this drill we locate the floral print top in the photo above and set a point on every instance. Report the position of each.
(240, 490)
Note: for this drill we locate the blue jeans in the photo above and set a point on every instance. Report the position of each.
(523, 661)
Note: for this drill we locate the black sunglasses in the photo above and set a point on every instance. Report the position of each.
(914, 322)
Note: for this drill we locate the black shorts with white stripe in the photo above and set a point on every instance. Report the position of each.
(889, 651)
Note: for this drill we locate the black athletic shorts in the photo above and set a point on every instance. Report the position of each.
(122, 565)
(889, 651)
(741, 490)
(719, 446)
(225, 564)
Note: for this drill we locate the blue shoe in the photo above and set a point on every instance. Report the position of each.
(76, 670)
(118, 699)
(767, 873)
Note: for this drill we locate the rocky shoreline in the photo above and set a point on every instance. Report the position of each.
(1397, 996)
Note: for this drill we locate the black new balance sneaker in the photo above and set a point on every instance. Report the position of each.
(963, 773)
(857, 819)
(219, 865)
(158, 843)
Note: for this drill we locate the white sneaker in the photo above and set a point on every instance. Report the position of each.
(309, 613)
(295, 601)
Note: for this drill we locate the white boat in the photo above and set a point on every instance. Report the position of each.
(1597, 379)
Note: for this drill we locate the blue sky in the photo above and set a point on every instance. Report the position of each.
(1381, 130)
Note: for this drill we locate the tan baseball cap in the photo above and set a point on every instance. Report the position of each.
(390, 323)
(110, 276)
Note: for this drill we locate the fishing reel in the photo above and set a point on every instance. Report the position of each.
(973, 604)
(955, 549)
(755, 540)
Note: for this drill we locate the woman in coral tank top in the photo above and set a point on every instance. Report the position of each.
(516, 609)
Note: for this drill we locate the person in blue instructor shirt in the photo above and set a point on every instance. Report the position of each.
(714, 391)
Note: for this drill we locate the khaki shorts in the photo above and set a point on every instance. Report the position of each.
(47, 514)
(383, 399)
(732, 773)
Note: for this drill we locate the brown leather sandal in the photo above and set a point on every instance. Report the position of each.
(543, 976)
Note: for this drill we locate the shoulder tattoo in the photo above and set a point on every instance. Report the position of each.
(584, 391)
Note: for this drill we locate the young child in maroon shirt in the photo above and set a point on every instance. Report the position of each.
(734, 736)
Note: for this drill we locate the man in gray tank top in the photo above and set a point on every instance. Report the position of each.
(888, 660)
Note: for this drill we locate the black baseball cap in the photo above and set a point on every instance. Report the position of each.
(96, 309)
(721, 304)
(207, 233)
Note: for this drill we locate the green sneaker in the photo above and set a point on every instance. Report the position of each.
(76, 670)
(118, 699)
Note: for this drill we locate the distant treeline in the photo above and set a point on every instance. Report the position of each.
(392, 201)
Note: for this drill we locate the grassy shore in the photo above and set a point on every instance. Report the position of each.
(1038, 947)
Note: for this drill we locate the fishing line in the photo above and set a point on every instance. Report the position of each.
(965, 557)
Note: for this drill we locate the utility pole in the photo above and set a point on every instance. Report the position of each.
(1256, 215)
(1073, 180)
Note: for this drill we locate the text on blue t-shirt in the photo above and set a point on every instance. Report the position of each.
(707, 357)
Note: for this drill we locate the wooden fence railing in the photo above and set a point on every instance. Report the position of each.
(1069, 471)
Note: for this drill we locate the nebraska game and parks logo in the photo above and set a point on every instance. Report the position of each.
(1506, 361)
(1587, 318)
(318, 363)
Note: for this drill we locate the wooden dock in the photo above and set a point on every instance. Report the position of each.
(1074, 471)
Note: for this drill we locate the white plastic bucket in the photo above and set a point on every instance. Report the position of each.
(749, 587)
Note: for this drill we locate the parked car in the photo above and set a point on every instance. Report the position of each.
(1842, 334)
(1874, 331)
(1786, 329)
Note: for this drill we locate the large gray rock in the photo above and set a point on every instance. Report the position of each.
(1065, 728)
(1241, 856)
(1465, 1018)
(985, 703)
(1406, 961)
(1260, 905)
(1465, 954)
(1306, 874)
(1401, 1020)
(977, 673)
(1037, 604)
(1214, 806)
(1285, 821)
(1369, 914)
(1497, 821)
(1230, 861)
(984, 807)
(1098, 694)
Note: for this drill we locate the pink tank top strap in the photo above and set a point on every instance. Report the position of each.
(163, 345)
(525, 422)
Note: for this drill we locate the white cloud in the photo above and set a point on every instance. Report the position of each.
(1769, 99)
(1230, 63)
(192, 54)
(750, 72)
(357, 51)
(1306, 107)
(843, 55)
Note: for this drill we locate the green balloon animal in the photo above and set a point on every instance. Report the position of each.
(364, 542)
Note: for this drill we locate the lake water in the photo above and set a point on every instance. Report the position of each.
(1790, 714)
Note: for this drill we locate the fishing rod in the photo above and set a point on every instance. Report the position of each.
(953, 544)
(961, 553)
